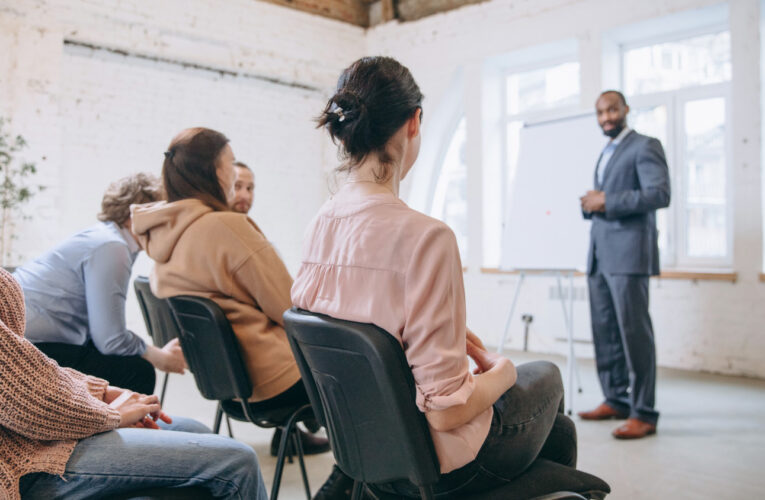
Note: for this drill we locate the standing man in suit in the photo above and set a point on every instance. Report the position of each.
(631, 183)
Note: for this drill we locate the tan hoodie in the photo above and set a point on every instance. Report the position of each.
(225, 257)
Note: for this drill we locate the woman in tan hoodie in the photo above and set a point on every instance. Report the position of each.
(202, 248)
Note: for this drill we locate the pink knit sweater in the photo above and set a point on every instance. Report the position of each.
(44, 408)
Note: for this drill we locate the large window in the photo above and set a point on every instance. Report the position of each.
(678, 90)
(533, 94)
(450, 195)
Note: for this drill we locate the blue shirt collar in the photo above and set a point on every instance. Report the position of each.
(132, 244)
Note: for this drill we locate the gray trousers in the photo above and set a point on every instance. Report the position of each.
(624, 347)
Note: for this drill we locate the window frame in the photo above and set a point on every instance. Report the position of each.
(676, 256)
(436, 179)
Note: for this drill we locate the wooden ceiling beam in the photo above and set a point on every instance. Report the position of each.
(358, 11)
(350, 11)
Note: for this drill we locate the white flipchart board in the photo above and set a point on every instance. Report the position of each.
(543, 225)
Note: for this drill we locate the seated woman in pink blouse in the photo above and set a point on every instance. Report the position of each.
(370, 258)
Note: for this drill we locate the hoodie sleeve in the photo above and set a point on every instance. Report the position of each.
(265, 277)
(261, 273)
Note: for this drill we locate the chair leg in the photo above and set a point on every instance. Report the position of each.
(230, 430)
(358, 487)
(218, 418)
(426, 493)
(287, 430)
(279, 464)
(164, 389)
(297, 443)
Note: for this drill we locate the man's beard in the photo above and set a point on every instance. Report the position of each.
(614, 132)
(240, 207)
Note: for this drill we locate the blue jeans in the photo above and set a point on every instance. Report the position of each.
(528, 423)
(184, 453)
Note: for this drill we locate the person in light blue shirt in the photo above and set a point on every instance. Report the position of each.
(75, 297)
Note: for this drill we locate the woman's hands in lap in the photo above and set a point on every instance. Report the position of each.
(136, 410)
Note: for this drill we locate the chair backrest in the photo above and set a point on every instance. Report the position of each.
(362, 390)
(210, 348)
(160, 324)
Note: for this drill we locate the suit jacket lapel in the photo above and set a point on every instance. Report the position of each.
(597, 166)
(614, 157)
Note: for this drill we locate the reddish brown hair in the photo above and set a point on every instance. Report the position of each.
(190, 169)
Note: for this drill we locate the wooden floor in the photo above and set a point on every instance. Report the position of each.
(710, 442)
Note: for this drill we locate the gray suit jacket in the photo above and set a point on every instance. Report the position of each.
(624, 239)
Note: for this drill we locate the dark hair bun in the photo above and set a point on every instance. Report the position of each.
(346, 106)
(347, 119)
(375, 97)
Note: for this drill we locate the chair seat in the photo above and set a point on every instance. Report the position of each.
(270, 418)
(544, 475)
(536, 483)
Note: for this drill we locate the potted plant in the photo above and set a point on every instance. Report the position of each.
(15, 189)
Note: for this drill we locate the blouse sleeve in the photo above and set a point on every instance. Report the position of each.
(41, 401)
(434, 331)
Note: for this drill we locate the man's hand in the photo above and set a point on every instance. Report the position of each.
(174, 360)
(168, 359)
(594, 201)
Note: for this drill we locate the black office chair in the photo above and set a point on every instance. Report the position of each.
(362, 390)
(160, 324)
(161, 327)
(213, 355)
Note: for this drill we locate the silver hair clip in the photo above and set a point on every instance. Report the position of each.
(339, 112)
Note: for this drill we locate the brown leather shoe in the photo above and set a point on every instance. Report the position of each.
(634, 429)
(602, 412)
(312, 445)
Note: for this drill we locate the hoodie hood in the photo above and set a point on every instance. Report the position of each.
(159, 225)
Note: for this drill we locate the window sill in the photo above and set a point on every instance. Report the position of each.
(670, 274)
(496, 270)
(707, 275)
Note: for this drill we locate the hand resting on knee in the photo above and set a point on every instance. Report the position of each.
(495, 374)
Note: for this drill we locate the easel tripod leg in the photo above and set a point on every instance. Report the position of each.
(510, 314)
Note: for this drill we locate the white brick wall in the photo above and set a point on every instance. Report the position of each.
(96, 115)
(121, 113)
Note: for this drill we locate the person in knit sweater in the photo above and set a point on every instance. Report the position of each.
(61, 438)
